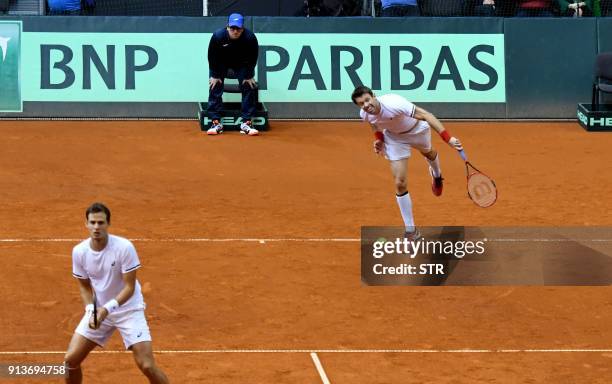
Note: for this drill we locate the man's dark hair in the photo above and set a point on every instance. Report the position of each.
(360, 91)
(97, 208)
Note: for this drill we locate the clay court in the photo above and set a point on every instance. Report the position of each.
(250, 252)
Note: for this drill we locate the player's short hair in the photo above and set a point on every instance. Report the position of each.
(97, 208)
(360, 91)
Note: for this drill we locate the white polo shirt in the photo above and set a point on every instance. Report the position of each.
(396, 115)
(105, 270)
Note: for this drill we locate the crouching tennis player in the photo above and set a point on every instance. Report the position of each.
(106, 265)
(398, 126)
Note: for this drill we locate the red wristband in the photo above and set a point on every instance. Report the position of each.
(379, 136)
(445, 135)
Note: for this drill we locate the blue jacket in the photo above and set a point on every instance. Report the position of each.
(389, 3)
(224, 53)
(64, 5)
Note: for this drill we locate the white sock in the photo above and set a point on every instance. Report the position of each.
(434, 165)
(405, 206)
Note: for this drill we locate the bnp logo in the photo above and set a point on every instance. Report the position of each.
(10, 57)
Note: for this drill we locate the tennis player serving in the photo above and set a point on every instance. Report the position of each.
(105, 266)
(399, 126)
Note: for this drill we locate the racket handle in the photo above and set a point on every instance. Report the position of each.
(95, 311)
(463, 155)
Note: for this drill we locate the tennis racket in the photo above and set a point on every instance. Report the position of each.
(480, 187)
(95, 310)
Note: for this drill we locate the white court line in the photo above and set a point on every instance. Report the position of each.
(211, 351)
(319, 366)
(550, 240)
(270, 240)
(193, 240)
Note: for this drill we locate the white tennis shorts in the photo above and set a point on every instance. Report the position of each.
(131, 324)
(398, 146)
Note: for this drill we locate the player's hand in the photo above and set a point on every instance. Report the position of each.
(250, 82)
(379, 146)
(455, 143)
(91, 322)
(213, 82)
(102, 313)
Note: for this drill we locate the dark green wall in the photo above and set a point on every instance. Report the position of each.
(548, 62)
(604, 26)
(549, 66)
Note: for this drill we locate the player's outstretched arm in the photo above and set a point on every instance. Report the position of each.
(421, 114)
(434, 123)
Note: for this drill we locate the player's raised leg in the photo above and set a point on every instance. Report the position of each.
(143, 355)
(399, 169)
(78, 350)
(437, 182)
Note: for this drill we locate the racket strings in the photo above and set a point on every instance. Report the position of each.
(482, 190)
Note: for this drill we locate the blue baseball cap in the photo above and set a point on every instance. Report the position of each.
(235, 20)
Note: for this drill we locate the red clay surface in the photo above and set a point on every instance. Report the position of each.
(167, 180)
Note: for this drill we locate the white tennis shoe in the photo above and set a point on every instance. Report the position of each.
(216, 128)
(246, 128)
